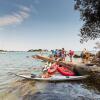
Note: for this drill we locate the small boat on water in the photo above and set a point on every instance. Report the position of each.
(61, 69)
(55, 73)
(52, 69)
(54, 78)
(65, 71)
(63, 63)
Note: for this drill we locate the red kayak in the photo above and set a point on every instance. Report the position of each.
(65, 71)
(52, 69)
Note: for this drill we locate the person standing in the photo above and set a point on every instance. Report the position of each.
(63, 54)
(85, 56)
(71, 53)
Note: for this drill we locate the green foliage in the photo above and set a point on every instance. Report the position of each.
(35, 50)
(90, 14)
(2, 50)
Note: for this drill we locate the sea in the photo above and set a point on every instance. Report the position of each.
(13, 87)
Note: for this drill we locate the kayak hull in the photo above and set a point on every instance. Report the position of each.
(52, 69)
(65, 71)
(54, 78)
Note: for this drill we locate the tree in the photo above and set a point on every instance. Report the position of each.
(90, 14)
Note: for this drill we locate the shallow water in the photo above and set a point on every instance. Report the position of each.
(16, 88)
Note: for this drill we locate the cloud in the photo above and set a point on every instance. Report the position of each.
(16, 17)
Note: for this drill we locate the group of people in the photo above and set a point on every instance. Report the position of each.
(58, 55)
(62, 54)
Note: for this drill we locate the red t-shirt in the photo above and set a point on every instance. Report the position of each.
(71, 53)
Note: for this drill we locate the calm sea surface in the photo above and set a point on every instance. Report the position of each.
(16, 88)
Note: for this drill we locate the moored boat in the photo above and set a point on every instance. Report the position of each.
(55, 78)
(52, 69)
(65, 71)
(63, 63)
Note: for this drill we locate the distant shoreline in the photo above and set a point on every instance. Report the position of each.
(39, 50)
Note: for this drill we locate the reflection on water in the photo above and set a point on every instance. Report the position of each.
(16, 88)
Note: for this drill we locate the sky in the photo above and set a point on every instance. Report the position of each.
(45, 24)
